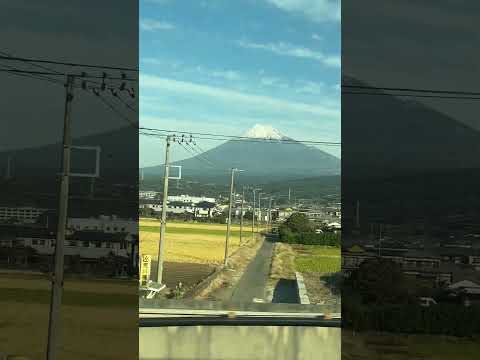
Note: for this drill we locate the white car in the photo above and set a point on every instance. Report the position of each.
(427, 301)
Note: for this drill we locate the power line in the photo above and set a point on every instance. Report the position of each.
(411, 95)
(200, 155)
(11, 56)
(200, 150)
(54, 73)
(38, 77)
(455, 92)
(116, 111)
(195, 156)
(29, 60)
(209, 136)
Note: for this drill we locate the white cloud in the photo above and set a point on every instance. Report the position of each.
(310, 87)
(286, 49)
(226, 95)
(160, 2)
(269, 80)
(229, 74)
(224, 74)
(151, 61)
(315, 10)
(154, 25)
(317, 37)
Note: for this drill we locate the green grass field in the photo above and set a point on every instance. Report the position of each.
(317, 259)
(196, 229)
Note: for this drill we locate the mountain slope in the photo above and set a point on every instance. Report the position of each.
(405, 161)
(118, 157)
(386, 135)
(259, 158)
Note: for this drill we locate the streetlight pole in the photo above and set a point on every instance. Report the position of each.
(161, 246)
(259, 210)
(241, 215)
(253, 212)
(227, 239)
(270, 214)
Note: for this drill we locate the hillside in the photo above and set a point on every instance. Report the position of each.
(274, 159)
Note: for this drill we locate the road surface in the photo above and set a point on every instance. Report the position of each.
(253, 282)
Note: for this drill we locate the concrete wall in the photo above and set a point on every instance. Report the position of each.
(236, 342)
(301, 289)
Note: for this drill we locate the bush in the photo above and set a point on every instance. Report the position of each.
(444, 319)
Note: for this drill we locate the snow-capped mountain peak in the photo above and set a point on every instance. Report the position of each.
(264, 132)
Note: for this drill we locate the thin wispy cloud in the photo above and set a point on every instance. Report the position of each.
(286, 49)
(159, 2)
(235, 97)
(222, 74)
(310, 87)
(268, 81)
(315, 10)
(317, 37)
(155, 25)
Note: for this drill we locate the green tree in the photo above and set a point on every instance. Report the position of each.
(299, 223)
(380, 281)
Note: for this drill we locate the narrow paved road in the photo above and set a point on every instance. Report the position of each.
(253, 282)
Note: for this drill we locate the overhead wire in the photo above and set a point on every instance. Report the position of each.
(53, 62)
(116, 111)
(433, 91)
(38, 77)
(199, 154)
(411, 95)
(195, 156)
(77, 75)
(210, 136)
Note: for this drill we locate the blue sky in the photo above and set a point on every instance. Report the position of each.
(222, 66)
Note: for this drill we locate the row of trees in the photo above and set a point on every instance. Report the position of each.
(298, 229)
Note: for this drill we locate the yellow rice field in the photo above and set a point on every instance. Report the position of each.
(185, 244)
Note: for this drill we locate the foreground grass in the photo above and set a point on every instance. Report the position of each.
(403, 347)
(99, 318)
(317, 259)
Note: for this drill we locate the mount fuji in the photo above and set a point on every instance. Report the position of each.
(277, 159)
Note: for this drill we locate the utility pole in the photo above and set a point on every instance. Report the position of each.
(9, 168)
(270, 214)
(241, 214)
(161, 246)
(253, 212)
(57, 278)
(259, 210)
(253, 215)
(227, 239)
(92, 188)
(357, 217)
(380, 242)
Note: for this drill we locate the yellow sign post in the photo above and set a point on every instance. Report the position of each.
(145, 268)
